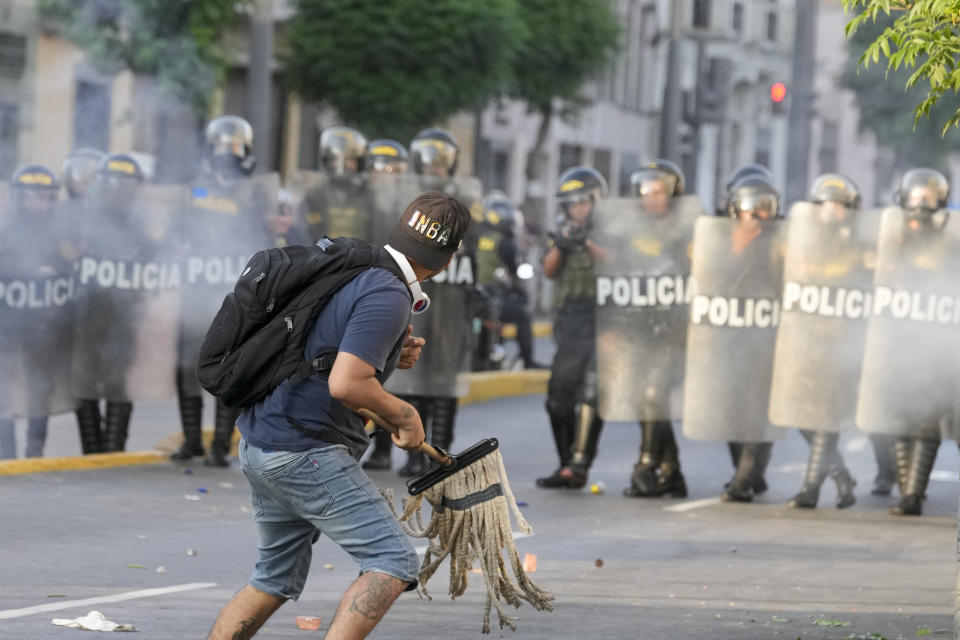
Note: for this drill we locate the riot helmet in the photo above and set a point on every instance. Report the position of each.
(656, 184)
(837, 198)
(120, 168)
(78, 169)
(342, 151)
(500, 213)
(34, 190)
(386, 156)
(754, 197)
(922, 195)
(578, 189)
(435, 152)
(229, 146)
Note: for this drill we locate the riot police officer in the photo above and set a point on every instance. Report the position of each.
(221, 220)
(837, 200)
(385, 160)
(434, 155)
(77, 171)
(750, 200)
(922, 194)
(29, 250)
(341, 205)
(498, 257)
(103, 321)
(569, 261)
(657, 472)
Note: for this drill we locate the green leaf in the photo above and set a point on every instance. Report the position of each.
(135, 566)
(924, 631)
(779, 619)
(823, 622)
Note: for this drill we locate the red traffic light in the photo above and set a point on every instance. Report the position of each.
(778, 91)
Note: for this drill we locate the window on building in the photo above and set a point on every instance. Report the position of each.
(9, 128)
(648, 61)
(772, 26)
(629, 162)
(500, 170)
(91, 114)
(571, 155)
(737, 18)
(827, 156)
(601, 162)
(701, 13)
(13, 54)
(762, 152)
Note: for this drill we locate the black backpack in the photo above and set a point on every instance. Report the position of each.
(256, 340)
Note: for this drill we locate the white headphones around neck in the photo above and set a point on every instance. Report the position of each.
(421, 301)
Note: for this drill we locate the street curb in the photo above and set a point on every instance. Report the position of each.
(484, 386)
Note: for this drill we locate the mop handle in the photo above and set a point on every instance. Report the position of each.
(437, 456)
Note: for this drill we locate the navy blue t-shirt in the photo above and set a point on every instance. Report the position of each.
(367, 318)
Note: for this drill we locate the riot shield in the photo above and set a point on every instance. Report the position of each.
(335, 207)
(36, 316)
(823, 322)
(223, 226)
(127, 287)
(447, 325)
(642, 298)
(734, 311)
(910, 364)
(385, 191)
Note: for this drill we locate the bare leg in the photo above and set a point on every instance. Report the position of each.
(363, 605)
(244, 614)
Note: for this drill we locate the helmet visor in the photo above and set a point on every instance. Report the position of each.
(751, 204)
(435, 153)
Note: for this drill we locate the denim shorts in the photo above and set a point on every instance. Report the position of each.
(297, 496)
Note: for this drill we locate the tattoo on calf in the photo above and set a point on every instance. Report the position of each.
(375, 598)
(247, 628)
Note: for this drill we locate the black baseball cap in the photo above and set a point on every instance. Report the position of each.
(431, 229)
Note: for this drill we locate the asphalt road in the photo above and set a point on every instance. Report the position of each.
(670, 569)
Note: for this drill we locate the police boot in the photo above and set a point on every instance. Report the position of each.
(587, 435)
(753, 460)
(36, 436)
(380, 458)
(886, 465)
(671, 482)
(563, 427)
(921, 464)
(224, 424)
(817, 468)
(643, 480)
(88, 422)
(902, 452)
(416, 461)
(115, 425)
(191, 417)
(8, 440)
(441, 422)
(841, 475)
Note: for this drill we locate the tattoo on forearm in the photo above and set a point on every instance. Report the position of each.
(247, 628)
(407, 412)
(375, 598)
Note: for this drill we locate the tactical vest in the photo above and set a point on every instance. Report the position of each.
(340, 209)
(577, 281)
(488, 258)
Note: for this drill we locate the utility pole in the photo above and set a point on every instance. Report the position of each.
(801, 104)
(259, 81)
(670, 115)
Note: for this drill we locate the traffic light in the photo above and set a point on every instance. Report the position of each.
(778, 93)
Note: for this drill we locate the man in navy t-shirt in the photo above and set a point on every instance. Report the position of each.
(301, 444)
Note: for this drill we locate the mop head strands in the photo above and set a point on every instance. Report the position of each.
(471, 523)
